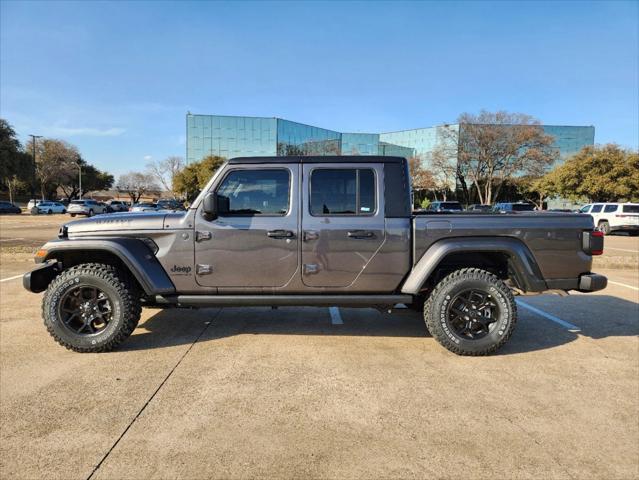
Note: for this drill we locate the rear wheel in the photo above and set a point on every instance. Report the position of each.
(91, 308)
(72, 214)
(471, 312)
(604, 227)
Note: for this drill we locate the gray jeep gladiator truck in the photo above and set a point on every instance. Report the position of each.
(310, 231)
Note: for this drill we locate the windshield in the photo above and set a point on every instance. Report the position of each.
(631, 209)
(523, 207)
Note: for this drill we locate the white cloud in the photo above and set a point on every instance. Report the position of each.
(147, 157)
(84, 131)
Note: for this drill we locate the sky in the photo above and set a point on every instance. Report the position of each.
(117, 78)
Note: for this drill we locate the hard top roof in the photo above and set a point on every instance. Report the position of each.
(319, 159)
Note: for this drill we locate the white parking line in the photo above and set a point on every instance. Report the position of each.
(623, 285)
(621, 249)
(11, 278)
(569, 326)
(11, 239)
(336, 317)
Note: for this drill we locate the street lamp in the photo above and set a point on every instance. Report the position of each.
(79, 178)
(34, 138)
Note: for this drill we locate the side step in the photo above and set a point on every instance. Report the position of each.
(319, 300)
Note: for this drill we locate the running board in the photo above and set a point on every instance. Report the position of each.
(319, 300)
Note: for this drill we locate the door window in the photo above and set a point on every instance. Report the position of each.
(256, 192)
(342, 192)
(610, 208)
(596, 208)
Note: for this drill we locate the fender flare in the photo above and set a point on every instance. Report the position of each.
(132, 252)
(520, 260)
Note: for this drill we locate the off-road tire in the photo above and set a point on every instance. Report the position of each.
(604, 227)
(436, 313)
(120, 289)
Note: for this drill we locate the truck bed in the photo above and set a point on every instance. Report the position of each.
(553, 239)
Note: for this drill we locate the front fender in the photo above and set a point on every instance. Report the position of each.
(132, 252)
(520, 259)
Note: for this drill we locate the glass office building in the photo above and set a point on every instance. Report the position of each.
(229, 136)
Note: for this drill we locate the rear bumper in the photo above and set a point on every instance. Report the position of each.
(592, 282)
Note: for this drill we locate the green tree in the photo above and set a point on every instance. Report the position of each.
(194, 177)
(92, 180)
(16, 167)
(599, 173)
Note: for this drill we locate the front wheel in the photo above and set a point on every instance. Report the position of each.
(90, 213)
(91, 308)
(72, 214)
(471, 312)
(49, 212)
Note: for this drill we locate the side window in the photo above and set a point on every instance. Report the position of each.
(610, 208)
(256, 192)
(347, 191)
(584, 209)
(596, 208)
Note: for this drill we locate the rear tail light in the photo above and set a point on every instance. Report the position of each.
(596, 243)
(592, 242)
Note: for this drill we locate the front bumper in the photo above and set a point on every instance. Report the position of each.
(38, 279)
(592, 282)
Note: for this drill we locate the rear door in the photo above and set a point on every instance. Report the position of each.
(342, 222)
(256, 243)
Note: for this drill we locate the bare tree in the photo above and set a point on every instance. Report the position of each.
(495, 147)
(137, 184)
(164, 171)
(444, 168)
(55, 161)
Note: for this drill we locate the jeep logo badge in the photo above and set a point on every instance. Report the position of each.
(181, 270)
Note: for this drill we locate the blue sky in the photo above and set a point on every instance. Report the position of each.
(117, 79)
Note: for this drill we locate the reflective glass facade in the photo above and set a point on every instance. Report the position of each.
(229, 137)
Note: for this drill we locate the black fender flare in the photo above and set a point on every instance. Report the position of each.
(132, 252)
(520, 260)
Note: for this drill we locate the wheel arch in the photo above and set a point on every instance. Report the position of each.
(506, 257)
(130, 254)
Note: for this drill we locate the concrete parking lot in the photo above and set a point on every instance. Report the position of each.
(237, 393)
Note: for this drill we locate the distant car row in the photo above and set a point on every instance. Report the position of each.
(478, 208)
(89, 207)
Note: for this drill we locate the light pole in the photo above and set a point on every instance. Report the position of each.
(33, 139)
(79, 178)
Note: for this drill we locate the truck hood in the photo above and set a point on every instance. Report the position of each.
(104, 224)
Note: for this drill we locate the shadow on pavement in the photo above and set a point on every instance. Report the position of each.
(597, 316)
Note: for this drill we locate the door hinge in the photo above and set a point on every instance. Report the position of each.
(199, 236)
(201, 269)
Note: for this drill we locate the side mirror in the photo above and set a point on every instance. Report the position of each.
(209, 206)
(214, 205)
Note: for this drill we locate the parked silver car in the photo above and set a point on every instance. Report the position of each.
(85, 207)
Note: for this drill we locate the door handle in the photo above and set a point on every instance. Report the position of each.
(280, 234)
(360, 234)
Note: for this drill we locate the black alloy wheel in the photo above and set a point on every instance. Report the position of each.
(85, 310)
(472, 314)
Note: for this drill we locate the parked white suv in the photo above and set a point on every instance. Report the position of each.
(614, 217)
(85, 207)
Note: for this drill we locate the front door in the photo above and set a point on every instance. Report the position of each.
(255, 244)
(342, 222)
